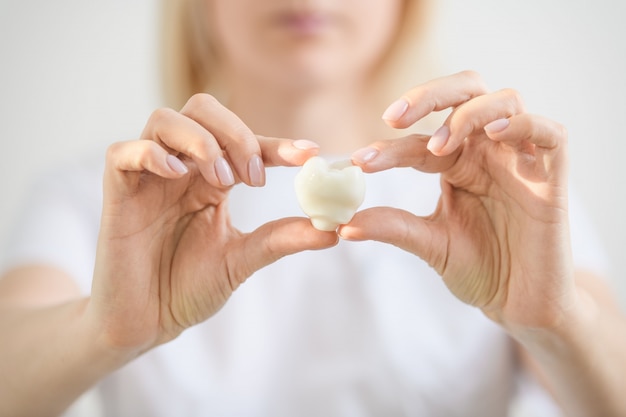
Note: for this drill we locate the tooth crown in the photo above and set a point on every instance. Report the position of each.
(329, 194)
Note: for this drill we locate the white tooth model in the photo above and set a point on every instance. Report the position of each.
(329, 194)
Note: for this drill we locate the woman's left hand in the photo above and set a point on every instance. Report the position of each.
(499, 236)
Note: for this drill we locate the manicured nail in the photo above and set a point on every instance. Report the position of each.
(364, 155)
(305, 144)
(439, 139)
(497, 126)
(176, 164)
(223, 172)
(256, 171)
(396, 110)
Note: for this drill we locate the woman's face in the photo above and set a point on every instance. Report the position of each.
(306, 43)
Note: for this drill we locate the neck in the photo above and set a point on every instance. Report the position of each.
(340, 120)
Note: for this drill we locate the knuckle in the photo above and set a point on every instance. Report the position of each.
(113, 151)
(203, 150)
(417, 139)
(117, 155)
(528, 127)
(463, 118)
(476, 79)
(136, 151)
(161, 115)
(244, 135)
(514, 96)
(147, 151)
(200, 100)
(417, 142)
(562, 133)
(471, 74)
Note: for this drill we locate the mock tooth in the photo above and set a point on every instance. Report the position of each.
(329, 194)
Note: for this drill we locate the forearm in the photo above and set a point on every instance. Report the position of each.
(583, 362)
(48, 357)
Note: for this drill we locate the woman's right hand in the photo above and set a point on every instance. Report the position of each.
(168, 256)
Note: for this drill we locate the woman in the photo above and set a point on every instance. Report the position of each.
(350, 328)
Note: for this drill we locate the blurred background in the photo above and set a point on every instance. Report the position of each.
(76, 75)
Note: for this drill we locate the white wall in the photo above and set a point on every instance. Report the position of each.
(78, 74)
(75, 75)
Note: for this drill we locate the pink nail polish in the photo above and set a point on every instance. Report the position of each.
(176, 164)
(364, 155)
(497, 126)
(256, 171)
(223, 172)
(305, 144)
(396, 110)
(439, 139)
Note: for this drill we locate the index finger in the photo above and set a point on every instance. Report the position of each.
(436, 95)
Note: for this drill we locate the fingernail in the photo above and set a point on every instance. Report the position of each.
(223, 172)
(364, 155)
(176, 164)
(396, 110)
(305, 144)
(439, 139)
(256, 171)
(497, 126)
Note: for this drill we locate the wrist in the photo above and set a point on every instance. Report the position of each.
(580, 357)
(104, 348)
(564, 329)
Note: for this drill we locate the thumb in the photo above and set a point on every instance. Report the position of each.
(280, 238)
(400, 228)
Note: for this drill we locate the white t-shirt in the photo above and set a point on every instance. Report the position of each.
(361, 329)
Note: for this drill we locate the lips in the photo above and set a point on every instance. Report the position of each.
(304, 23)
(329, 194)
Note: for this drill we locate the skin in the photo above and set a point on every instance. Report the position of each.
(500, 228)
(499, 236)
(165, 198)
(301, 48)
(313, 83)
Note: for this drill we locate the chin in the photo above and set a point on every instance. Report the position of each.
(310, 74)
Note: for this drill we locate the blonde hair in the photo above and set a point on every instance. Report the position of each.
(189, 61)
